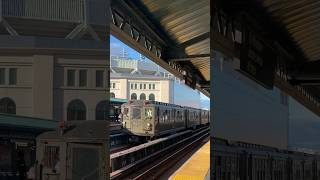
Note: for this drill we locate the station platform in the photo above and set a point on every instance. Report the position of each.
(197, 167)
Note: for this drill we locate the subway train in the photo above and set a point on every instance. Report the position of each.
(151, 119)
(244, 161)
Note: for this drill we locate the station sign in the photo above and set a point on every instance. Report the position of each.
(257, 57)
(189, 80)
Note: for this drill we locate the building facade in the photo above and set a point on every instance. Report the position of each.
(54, 87)
(142, 79)
(141, 88)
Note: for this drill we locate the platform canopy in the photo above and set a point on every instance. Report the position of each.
(174, 34)
(284, 34)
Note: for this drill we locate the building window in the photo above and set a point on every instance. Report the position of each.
(112, 95)
(153, 86)
(135, 86)
(131, 86)
(99, 78)
(144, 86)
(142, 96)
(82, 78)
(140, 86)
(71, 76)
(12, 76)
(76, 110)
(2, 76)
(149, 86)
(113, 85)
(133, 96)
(152, 97)
(101, 111)
(7, 106)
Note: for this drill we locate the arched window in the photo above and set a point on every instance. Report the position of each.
(112, 95)
(76, 110)
(101, 110)
(134, 96)
(7, 106)
(142, 96)
(152, 97)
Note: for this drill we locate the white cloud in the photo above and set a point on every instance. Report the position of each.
(115, 49)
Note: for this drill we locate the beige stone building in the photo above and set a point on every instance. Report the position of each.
(59, 87)
(137, 79)
(144, 88)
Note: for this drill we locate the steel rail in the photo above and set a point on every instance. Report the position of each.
(172, 158)
(125, 171)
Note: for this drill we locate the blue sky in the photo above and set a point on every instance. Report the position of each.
(116, 48)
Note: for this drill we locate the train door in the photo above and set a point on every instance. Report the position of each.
(86, 162)
(174, 119)
(186, 117)
(156, 120)
(125, 117)
(51, 159)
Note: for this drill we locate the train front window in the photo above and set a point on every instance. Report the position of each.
(51, 157)
(148, 113)
(136, 113)
(125, 111)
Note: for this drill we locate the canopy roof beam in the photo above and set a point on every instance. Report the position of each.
(132, 25)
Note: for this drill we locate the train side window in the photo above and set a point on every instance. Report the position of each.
(125, 111)
(178, 115)
(157, 118)
(173, 117)
(163, 116)
(166, 116)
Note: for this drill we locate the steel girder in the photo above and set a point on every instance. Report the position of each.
(135, 28)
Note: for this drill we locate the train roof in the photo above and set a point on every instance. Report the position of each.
(79, 131)
(143, 102)
(135, 102)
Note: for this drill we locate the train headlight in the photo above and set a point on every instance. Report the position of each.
(149, 126)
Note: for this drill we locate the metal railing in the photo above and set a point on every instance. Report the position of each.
(53, 10)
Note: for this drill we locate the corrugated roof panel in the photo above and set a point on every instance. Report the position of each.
(301, 18)
(184, 20)
(202, 47)
(27, 122)
(203, 65)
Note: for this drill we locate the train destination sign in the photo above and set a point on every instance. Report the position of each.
(189, 80)
(257, 59)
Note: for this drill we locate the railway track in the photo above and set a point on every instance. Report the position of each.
(119, 149)
(152, 166)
